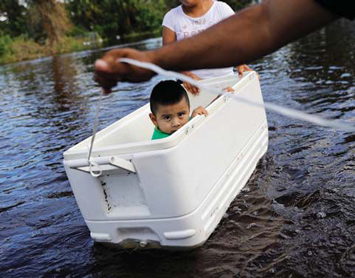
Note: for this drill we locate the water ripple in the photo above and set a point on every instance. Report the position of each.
(295, 218)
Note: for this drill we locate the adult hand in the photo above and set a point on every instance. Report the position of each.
(109, 71)
(191, 88)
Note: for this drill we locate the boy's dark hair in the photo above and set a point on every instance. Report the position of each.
(167, 92)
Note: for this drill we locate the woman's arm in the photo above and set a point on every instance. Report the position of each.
(169, 36)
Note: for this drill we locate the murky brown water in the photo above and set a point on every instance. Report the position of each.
(295, 217)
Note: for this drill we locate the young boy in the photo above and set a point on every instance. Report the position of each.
(170, 107)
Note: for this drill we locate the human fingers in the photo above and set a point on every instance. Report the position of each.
(229, 89)
(192, 89)
(246, 68)
(204, 112)
(191, 75)
(195, 90)
(240, 71)
(242, 68)
(109, 70)
(105, 81)
(187, 86)
(201, 111)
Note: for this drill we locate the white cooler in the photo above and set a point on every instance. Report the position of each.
(170, 192)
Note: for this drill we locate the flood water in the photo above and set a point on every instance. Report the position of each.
(294, 218)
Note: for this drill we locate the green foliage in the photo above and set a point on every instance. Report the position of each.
(15, 14)
(41, 27)
(149, 16)
(172, 3)
(237, 4)
(117, 17)
(77, 31)
(18, 49)
(45, 19)
(22, 48)
(35, 28)
(5, 42)
(40, 20)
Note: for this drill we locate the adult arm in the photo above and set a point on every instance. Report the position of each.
(244, 37)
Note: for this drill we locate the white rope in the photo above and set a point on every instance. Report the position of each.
(96, 122)
(95, 173)
(285, 111)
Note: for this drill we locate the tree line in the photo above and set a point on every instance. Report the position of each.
(47, 22)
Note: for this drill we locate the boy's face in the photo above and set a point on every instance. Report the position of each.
(169, 118)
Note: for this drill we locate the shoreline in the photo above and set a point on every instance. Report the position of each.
(20, 49)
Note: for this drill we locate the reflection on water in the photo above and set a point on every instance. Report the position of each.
(295, 217)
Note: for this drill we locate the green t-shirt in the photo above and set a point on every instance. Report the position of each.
(158, 134)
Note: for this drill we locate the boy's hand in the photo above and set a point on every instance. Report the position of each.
(229, 90)
(199, 111)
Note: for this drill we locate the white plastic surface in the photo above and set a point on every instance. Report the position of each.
(182, 185)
